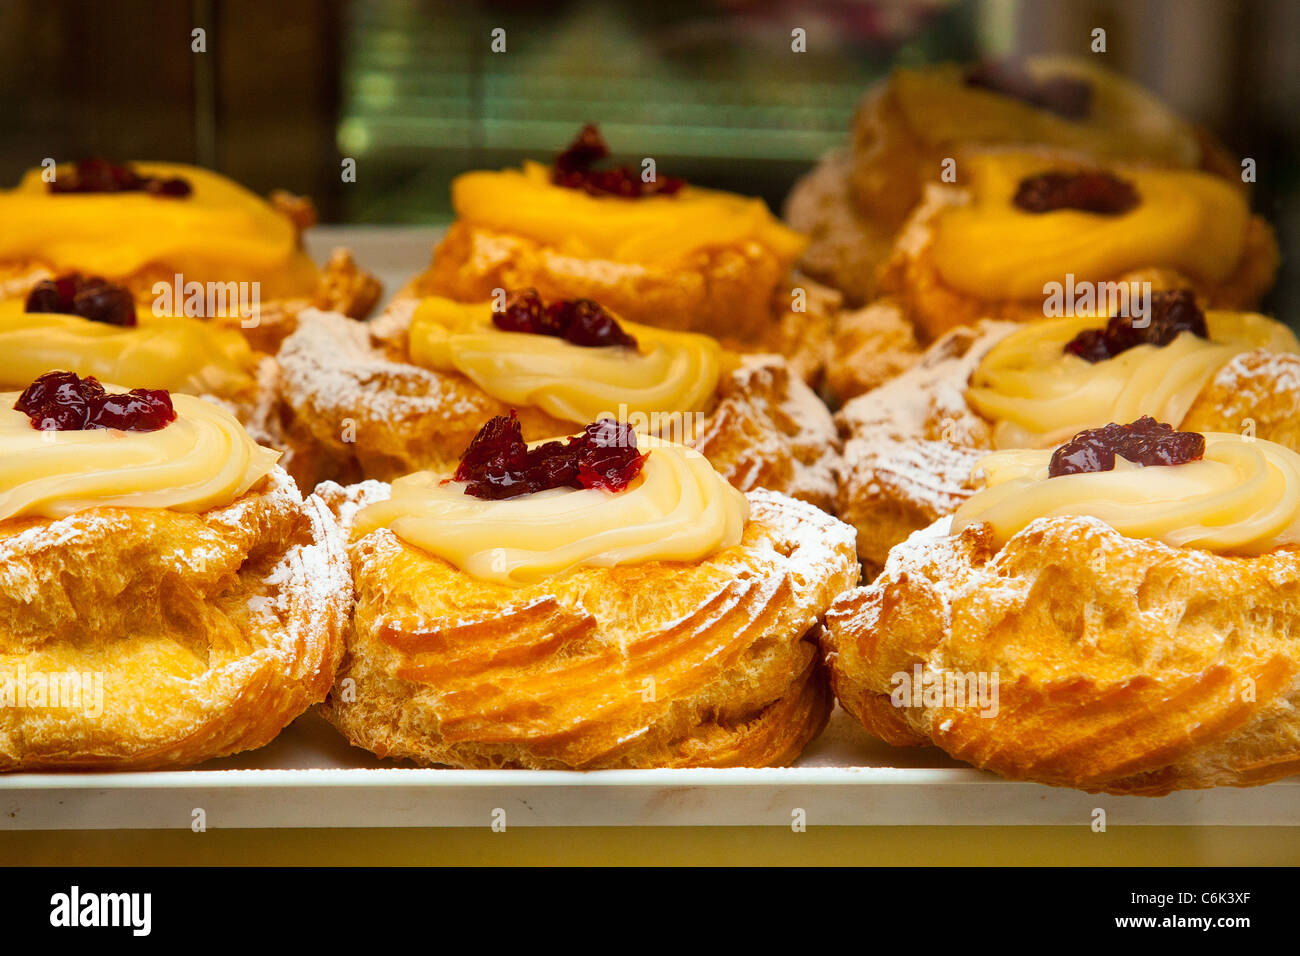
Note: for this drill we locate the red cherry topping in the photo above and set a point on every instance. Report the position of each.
(1087, 191)
(63, 401)
(577, 321)
(101, 176)
(91, 298)
(498, 464)
(1065, 96)
(573, 170)
(1143, 442)
(1172, 313)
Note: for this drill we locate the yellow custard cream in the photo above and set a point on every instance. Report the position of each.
(172, 352)
(668, 372)
(653, 229)
(678, 509)
(1038, 396)
(221, 232)
(1243, 497)
(203, 459)
(1123, 120)
(992, 249)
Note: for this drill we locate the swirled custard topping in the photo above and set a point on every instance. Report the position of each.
(173, 352)
(668, 372)
(990, 248)
(1037, 394)
(1241, 497)
(678, 509)
(203, 459)
(219, 232)
(1117, 118)
(651, 229)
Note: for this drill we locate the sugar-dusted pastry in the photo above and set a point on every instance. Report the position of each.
(853, 203)
(909, 445)
(87, 325)
(182, 237)
(166, 594)
(409, 391)
(1117, 614)
(603, 601)
(659, 253)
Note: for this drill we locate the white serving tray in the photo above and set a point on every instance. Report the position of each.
(310, 777)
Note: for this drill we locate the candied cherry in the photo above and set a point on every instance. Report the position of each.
(91, 298)
(578, 321)
(97, 175)
(572, 170)
(1171, 314)
(498, 464)
(64, 401)
(1065, 96)
(1143, 442)
(1089, 190)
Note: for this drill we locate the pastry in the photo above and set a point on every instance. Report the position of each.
(909, 445)
(183, 239)
(409, 391)
(166, 594)
(606, 601)
(1118, 615)
(853, 203)
(95, 328)
(1035, 235)
(658, 253)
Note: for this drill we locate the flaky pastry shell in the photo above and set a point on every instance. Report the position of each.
(371, 413)
(208, 632)
(1122, 665)
(741, 295)
(910, 445)
(665, 664)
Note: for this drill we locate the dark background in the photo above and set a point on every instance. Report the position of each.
(411, 91)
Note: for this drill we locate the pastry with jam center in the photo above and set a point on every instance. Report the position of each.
(598, 601)
(909, 445)
(142, 224)
(408, 391)
(653, 249)
(1117, 614)
(166, 594)
(854, 202)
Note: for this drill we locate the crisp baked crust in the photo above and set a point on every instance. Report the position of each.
(742, 295)
(663, 664)
(210, 632)
(1122, 665)
(375, 415)
(344, 287)
(910, 445)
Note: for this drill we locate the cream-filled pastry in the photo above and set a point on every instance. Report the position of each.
(651, 248)
(166, 594)
(166, 230)
(603, 601)
(408, 392)
(1128, 600)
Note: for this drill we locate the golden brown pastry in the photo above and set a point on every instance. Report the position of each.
(1129, 630)
(181, 237)
(909, 445)
(166, 594)
(665, 622)
(853, 203)
(1034, 233)
(409, 391)
(661, 253)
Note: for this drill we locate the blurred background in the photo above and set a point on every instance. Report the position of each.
(411, 90)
